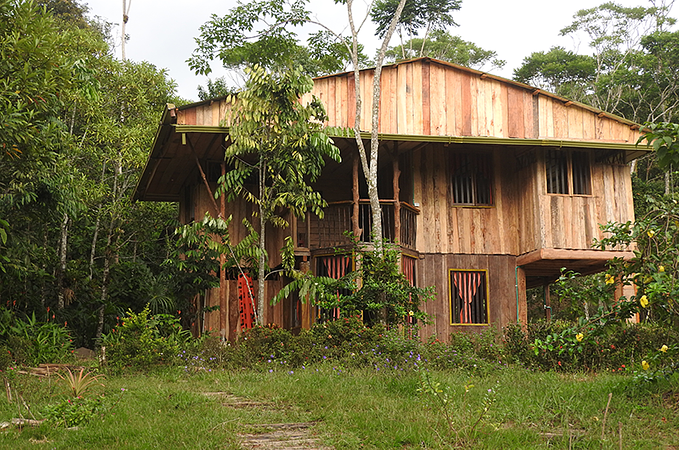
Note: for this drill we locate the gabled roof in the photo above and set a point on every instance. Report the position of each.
(423, 100)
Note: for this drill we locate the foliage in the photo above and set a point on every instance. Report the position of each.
(32, 342)
(654, 270)
(630, 70)
(73, 412)
(663, 138)
(377, 290)
(214, 89)
(143, 340)
(560, 71)
(428, 14)
(80, 382)
(260, 33)
(554, 345)
(280, 142)
(446, 47)
(461, 421)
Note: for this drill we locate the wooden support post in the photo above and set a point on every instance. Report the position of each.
(397, 192)
(522, 306)
(224, 326)
(548, 303)
(356, 195)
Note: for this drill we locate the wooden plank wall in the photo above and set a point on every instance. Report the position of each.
(432, 270)
(211, 114)
(524, 217)
(424, 97)
(572, 221)
(272, 314)
(446, 228)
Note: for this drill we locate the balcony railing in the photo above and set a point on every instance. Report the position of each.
(329, 231)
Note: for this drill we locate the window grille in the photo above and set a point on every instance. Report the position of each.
(471, 179)
(567, 172)
(581, 177)
(556, 164)
(468, 297)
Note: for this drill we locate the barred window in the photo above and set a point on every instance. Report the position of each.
(468, 297)
(471, 179)
(567, 172)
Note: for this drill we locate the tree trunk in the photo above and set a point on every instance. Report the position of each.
(370, 168)
(62, 262)
(262, 246)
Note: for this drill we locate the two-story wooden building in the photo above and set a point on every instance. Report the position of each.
(488, 186)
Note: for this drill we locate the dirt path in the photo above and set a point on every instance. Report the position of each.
(272, 436)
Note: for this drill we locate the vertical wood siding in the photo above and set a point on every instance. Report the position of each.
(426, 97)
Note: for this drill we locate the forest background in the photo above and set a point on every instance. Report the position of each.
(78, 123)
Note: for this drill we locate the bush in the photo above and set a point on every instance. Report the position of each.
(619, 348)
(144, 340)
(32, 343)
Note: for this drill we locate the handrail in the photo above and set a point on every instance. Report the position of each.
(388, 201)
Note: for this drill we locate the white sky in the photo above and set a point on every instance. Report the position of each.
(162, 32)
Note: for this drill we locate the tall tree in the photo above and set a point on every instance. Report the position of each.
(620, 74)
(446, 47)
(281, 143)
(260, 32)
(432, 15)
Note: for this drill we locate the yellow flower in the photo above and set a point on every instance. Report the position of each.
(664, 349)
(579, 337)
(661, 268)
(411, 313)
(643, 301)
(650, 233)
(645, 365)
(610, 279)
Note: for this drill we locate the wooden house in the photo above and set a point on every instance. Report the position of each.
(488, 186)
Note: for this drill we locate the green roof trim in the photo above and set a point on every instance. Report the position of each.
(472, 140)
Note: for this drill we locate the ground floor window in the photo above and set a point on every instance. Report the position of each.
(334, 266)
(468, 297)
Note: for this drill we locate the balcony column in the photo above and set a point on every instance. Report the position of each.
(397, 203)
(354, 217)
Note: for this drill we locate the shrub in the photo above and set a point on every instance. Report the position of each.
(144, 340)
(32, 343)
(619, 348)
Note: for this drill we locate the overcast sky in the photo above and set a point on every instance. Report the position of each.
(162, 32)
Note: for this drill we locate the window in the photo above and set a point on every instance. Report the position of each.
(336, 267)
(471, 179)
(468, 297)
(567, 172)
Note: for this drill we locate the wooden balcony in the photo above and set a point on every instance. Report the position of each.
(399, 224)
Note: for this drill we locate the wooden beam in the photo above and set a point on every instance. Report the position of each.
(547, 254)
(202, 174)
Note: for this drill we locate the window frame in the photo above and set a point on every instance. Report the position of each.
(568, 175)
(484, 283)
(478, 160)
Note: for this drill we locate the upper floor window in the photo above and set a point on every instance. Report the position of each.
(567, 172)
(471, 179)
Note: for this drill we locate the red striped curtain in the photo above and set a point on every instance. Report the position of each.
(467, 285)
(336, 267)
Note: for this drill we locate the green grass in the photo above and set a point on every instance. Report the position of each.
(354, 408)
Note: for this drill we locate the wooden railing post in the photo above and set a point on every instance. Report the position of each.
(397, 202)
(354, 218)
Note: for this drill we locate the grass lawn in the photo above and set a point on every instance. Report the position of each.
(352, 409)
